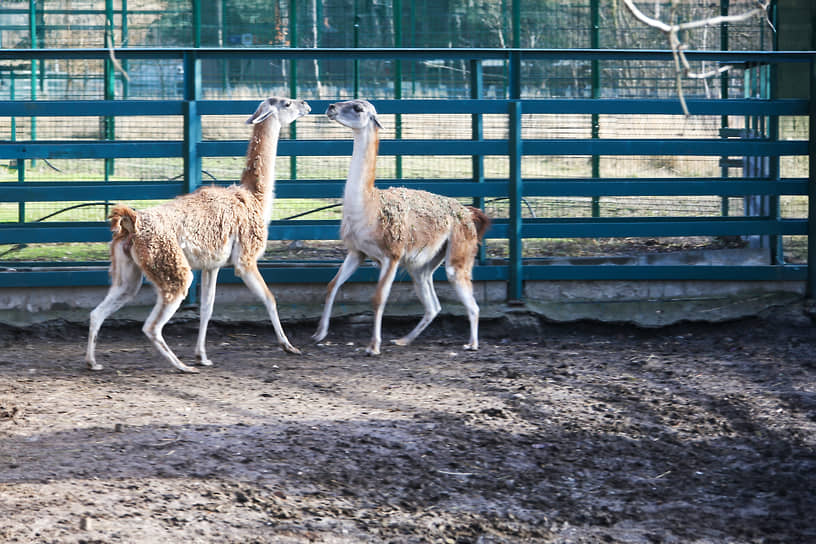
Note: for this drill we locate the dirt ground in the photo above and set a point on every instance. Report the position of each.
(568, 433)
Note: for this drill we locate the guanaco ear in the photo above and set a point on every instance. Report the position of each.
(376, 121)
(264, 110)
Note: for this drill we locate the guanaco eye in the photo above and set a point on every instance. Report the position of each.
(358, 108)
(287, 103)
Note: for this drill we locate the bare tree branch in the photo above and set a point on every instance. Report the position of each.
(672, 31)
(111, 53)
(711, 21)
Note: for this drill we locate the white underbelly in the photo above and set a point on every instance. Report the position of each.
(207, 257)
(420, 256)
(358, 235)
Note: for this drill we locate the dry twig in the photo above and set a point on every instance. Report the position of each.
(114, 60)
(672, 31)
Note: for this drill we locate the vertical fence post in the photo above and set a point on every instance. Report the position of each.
(476, 133)
(32, 30)
(221, 7)
(192, 136)
(19, 163)
(515, 286)
(12, 92)
(595, 39)
(196, 23)
(516, 22)
(293, 84)
(110, 84)
(124, 43)
(773, 170)
(21, 179)
(777, 246)
(192, 127)
(811, 257)
(192, 122)
(356, 44)
(413, 24)
(397, 9)
(724, 82)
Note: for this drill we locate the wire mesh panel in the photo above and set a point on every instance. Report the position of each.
(362, 23)
(278, 25)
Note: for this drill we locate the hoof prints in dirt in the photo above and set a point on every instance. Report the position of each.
(580, 433)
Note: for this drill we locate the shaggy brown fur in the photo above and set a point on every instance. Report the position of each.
(398, 226)
(204, 231)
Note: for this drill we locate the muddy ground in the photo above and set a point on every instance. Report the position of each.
(576, 433)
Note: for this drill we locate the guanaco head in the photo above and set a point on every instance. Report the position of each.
(285, 110)
(354, 114)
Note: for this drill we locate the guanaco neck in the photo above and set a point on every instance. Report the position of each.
(360, 188)
(259, 174)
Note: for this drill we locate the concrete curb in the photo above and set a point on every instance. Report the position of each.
(656, 312)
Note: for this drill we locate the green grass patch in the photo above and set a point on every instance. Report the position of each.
(61, 253)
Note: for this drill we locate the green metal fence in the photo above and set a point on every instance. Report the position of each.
(502, 141)
(57, 24)
(51, 24)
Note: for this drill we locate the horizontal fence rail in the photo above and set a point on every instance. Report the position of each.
(191, 148)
